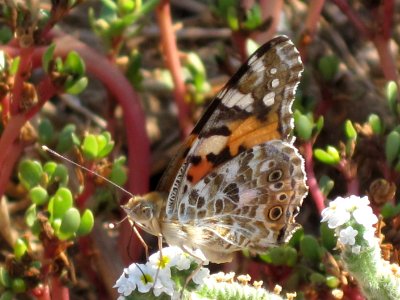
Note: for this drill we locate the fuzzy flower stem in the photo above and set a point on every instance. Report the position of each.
(372, 273)
(352, 219)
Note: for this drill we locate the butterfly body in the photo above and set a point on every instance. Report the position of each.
(237, 182)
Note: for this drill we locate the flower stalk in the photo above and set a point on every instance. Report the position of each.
(352, 219)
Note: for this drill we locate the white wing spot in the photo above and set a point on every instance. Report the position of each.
(275, 83)
(273, 71)
(269, 99)
(236, 98)
(267, 165)
(213, 144)
(257, 65)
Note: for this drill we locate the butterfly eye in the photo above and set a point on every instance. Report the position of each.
(146, 212)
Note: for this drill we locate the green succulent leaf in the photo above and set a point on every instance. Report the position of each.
(45, 132)
(61, 202)
(329, 157)
(18, 285)
(67, 139)
(5, 280)
(304, 126)
(332, 281)
(118, 173)
(76, 87)
(350, 131)
(38, 195)
(328, 66)
(328, 238)
(392, 146)
(30, 173)
(20, 248)
(376, 124)
(70, 222)
(87, 222)
(15, 65)
(326, 184)
(391, 91)
(105, 144)
(7, 295)
(90, 147)
(48, 57)
(310, 249)
(74, 64)
(31, 215)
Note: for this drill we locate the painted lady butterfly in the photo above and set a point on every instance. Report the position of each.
(237, 182)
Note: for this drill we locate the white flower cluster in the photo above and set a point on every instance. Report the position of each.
(144, 277)
(343, 214)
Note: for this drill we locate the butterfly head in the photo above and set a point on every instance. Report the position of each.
(145, 211)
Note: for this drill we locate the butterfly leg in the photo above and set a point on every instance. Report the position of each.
(160, 241)
(139, 236)
(190, 277)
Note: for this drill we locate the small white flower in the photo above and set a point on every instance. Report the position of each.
(169, 257)
(124, 285)
(347, 236)
(356, 249)
(335, 216)
(160, 288)
(143, 276)
(364, 216)
(369, 236)
(339, 211)
(199, 277)
(352, 202)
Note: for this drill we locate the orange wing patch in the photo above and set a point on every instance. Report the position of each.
(243, 135)
(252, 131)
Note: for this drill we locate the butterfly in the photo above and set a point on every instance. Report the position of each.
(237, 182)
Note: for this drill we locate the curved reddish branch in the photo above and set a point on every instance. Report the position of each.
(312, 182)
(120, 88)
(171, 54)
(134, 119)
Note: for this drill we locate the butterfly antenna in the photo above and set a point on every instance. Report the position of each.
(47, 149)
(116, 224)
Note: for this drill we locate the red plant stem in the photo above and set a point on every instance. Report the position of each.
(21, 75)
(45, 90)
(134, 120)
(10, 134)
(120, 88)
(41, 292)
(387, 61)
(13, 154)
(353, 185)
(380, 35)
(270, 9)
(171, 54)
(312, 20)
(353, 17)
(11, 147)
(239, 40)
(58, 290)
(313, 16)
(5, 110)
(312, 182)
(387, 18)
